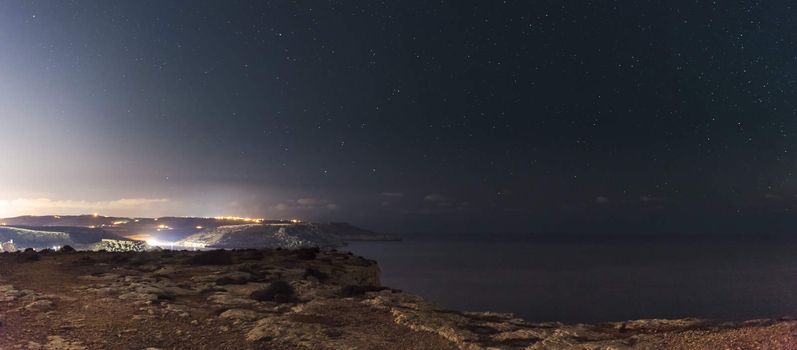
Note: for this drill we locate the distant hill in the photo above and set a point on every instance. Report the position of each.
(280, 235)
(26, 238)
(259, 236)
(40, 237)
(226, 232)
(79, 235)
(165, 228)
(59, 220)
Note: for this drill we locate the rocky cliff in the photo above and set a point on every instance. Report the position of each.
(290, 299)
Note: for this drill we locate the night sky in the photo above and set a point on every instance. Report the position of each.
(405, 116)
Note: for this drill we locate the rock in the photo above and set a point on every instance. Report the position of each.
(229, 300)
(240, 314)
(59, 343)
(303, 334)
(234, 277)
(40, 306)
(138, 296)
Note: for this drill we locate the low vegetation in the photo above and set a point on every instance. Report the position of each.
(212, 257)
(315, 273)
(351, 291)
(277, 291)
(307, 253)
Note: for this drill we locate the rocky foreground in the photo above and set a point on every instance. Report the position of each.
(282, 299)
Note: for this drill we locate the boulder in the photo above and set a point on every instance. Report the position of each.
(240, 315)
(40, 306)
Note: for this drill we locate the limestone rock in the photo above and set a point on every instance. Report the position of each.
(40, 306)
(240, 315)
(59, 343)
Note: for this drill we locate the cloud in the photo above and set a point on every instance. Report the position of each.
(306, 204)
(310, 201)
(601, 200)
(647, 198)
(393, 194)
(45, 206)
(435, 198)
(438, 203)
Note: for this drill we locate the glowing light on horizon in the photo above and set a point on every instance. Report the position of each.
(238, 218)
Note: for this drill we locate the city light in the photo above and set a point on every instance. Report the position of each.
(238, 218)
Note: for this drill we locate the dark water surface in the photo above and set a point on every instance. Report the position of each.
(595, 279)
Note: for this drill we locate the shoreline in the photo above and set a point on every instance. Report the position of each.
(208, 300)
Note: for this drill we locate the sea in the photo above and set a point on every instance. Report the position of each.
(595, 278)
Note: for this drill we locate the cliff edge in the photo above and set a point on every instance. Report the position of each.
(290, 299)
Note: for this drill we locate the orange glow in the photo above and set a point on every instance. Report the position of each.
(140, 237)
(238, 218)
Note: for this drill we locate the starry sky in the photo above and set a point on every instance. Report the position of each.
(405, 116)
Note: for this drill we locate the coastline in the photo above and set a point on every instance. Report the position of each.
(208, 301)
(595, 280)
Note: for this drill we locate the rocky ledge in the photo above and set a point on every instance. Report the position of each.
(290, 299)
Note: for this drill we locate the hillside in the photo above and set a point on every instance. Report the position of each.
(27, 238)
(41, 237)
(266, 236)
(79, 235)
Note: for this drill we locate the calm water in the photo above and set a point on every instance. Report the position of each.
(583, 279)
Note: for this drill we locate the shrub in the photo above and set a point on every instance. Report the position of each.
(251, 254)
(307, 253)
(229, 280)
(312, 272)
(28, 256)
(277, 291)
(259, 273)
(116, 258)
(85, 261)
(211, 257)
(351, 291)
(139, 259)
(66, 249)
(29, 250)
